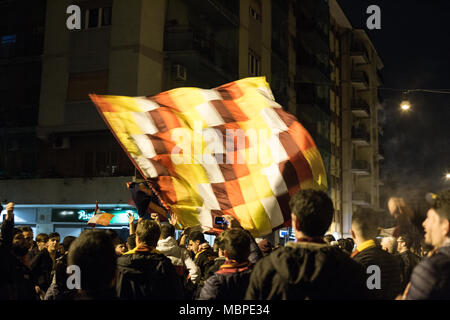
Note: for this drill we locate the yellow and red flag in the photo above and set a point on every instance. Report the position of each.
(231, 150)
(101, 218)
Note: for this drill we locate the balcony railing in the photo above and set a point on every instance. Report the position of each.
(360, 136)
(361, 167)
(185, 39)
(360, 108)
(359, 54)
(361, 198)
(360, 80)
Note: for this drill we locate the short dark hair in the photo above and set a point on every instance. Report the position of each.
(54, 235)
(93, 252)
(25, 229)
(314, 209)
(148, 232)
(67, 242)
(131, 241)
(42, 237)
(329, 238)
(366, 221)
(441, 204)
(237, 244)
(167, 230)
(407, 239)
(197, 235)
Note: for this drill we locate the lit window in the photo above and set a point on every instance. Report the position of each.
(9, 39)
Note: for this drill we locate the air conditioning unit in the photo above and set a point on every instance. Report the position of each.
(61, 143)
(180, 72)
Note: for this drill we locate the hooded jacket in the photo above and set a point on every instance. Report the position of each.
(179, 256)
(430, 279)
(147, 274)
(230, 282)
(307, 271)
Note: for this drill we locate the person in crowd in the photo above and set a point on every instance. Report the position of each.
(430, 279)
(255, 252)
(232, 278)
(404, 217)
(204, 254)
(364, 230)
(220, 260)
(42, 264)
(409, 259)
(308, 268)
(41, 241)
(178, 255)
(120, 247)
(328, 238)
(131, 242)
(15, 279)
(265, 247)
(145, 273)
(58, 288)
(389, 244)
(345, 245)
(28, 235)
(93, 252)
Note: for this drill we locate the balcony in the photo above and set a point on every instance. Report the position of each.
(220, 12)
(360, 80)
(184, 45)
(360, 109)
(359, 55)
(360, 137)
(361, 167)
(380, 153)
(361, 199)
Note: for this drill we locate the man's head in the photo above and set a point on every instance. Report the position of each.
(364, 225)
(93, 252)
(131, 241)
(437, 223)
(120, 248)
(236, 245)
(196, 238)
(41, 241)
(19, 244)
(312, 213)
(389, 244)
(399, 209)
(147, 232)
(28, 235)
(53, 241)
(67, 241)
(329, 238)
(167, 230)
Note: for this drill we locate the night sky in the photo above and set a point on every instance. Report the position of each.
(414, 45)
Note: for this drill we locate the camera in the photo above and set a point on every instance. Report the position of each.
(221, 222)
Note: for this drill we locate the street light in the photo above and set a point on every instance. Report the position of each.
(447, 176)
(405, 105)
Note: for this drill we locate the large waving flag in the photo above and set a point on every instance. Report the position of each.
(227, 151)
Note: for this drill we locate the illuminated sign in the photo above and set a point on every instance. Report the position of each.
(83, 215)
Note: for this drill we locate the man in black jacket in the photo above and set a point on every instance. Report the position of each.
(410, 260)
(309, 269)
(232, 278)
(145, 273)
(430, 279)
(386, 281)
(15, 280)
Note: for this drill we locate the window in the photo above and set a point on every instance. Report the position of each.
(254, 64)
(8, 39)
(7, 46)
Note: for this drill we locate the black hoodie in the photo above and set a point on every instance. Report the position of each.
(307, 271)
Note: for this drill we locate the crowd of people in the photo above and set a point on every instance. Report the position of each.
(153, 265)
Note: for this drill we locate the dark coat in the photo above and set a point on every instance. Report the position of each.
(204, 260)
(41, 269)
(390, 268)
(410, 261)
(218, 262)
(15, 278)
(147, 275)
(430, 279)
(229, 283)
(307, 270)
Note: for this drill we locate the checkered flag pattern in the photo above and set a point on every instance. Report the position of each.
(231, 150)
